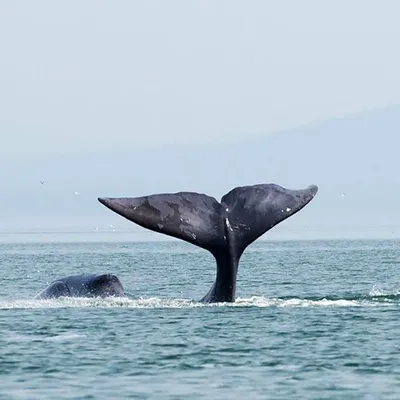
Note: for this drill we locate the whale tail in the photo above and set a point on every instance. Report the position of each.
(254, 210)
(223, 228)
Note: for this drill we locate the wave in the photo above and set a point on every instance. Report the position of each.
(373, 299)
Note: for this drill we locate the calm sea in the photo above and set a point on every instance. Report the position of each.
(314, 320)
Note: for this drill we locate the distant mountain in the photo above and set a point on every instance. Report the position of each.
(354, 160)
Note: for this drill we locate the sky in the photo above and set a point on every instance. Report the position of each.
(95, 74)
(91, 86)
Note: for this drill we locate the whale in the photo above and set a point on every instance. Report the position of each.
(103, 285)
(224, 228)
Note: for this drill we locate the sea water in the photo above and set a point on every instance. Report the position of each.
(313, 320)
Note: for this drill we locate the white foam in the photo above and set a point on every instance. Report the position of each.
(63, 337)
(379, 292)
(295, 302)
(155, 302)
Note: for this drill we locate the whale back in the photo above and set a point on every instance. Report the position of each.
(54, 290)
(91, 285)
(107, 285)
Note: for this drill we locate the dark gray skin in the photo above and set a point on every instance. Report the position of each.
(224, 229)
(105, 285)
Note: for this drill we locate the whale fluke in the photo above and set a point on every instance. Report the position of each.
(225, 229)
(254, 210)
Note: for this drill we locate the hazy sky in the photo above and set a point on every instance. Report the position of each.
(85, 84)
(95, 74)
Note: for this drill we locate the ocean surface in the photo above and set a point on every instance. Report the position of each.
(313, 320)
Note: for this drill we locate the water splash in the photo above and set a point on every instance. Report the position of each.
(63, 337)
(371, 300)
(376, 291)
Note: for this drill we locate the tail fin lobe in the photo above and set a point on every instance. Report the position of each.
(254, 210)
(192, 217)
